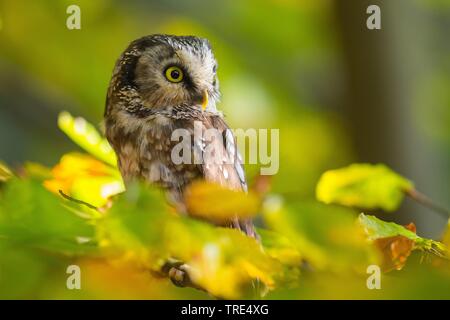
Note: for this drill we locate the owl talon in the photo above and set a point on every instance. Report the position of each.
(179, 277)
(177, 272)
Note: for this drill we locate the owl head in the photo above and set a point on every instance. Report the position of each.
(160, 71)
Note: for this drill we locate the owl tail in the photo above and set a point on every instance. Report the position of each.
(246, 226)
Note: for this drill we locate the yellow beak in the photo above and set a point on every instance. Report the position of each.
(205, 100)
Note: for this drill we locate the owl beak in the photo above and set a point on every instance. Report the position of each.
(205, 100)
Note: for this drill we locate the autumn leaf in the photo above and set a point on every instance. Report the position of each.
(379, 229)
(363, 185)
(396, 249)
(326, 236)
(87, 137)
(223, 261)
(215, 203)
(85, 178)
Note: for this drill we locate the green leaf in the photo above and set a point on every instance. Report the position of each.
(283, 250)
(135, 219)
(31, 215)
(280, 247)
(364, 186)
(223, 261)
(27, 273)
(326, 236)
(87, 137)
(378, 229)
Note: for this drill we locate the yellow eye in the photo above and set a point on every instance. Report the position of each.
(174, 74)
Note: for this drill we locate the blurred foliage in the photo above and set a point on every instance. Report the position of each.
(32, 215)
(123, 242)
(140, 225)
(326, 236)
(363, 185)
(73, 175)
(5, 173)
(85, 135)
(201, 201)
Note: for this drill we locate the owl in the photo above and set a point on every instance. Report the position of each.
(163, 83)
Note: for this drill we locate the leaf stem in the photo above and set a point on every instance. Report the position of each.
(427, 202)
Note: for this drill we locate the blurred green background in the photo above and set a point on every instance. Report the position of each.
(338, 92)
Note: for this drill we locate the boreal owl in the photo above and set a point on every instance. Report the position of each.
(162, 83)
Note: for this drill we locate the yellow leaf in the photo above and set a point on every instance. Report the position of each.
(215, 203)
(86, 136)
(85, 178)
(364, 186)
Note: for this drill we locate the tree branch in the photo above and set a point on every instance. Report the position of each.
(77, 201)
(427, 202)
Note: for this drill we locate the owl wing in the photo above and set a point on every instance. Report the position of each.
(228, 171)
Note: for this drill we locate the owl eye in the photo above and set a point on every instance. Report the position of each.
(174, 74)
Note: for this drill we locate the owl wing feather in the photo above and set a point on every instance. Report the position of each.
(228, 172)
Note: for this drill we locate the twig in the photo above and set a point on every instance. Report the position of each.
(427, 202)
(77, 201)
